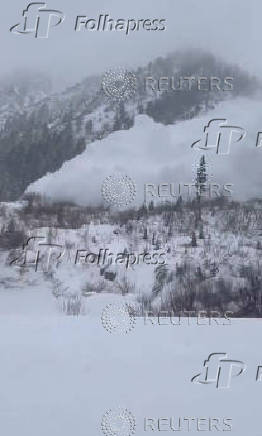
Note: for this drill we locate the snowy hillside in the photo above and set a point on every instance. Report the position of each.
(179, 257)
(39, 131)
(141, 152)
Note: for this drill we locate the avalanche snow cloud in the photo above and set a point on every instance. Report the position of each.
(154, 153)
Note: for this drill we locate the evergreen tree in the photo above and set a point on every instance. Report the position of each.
(170, 231)
(122, 120)
(201, 177)
(145, 236)
(193, 240)
(179, 202)
(161, 273)
(151, 205)
(201, 232)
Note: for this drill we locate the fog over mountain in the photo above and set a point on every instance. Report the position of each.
(70, 56)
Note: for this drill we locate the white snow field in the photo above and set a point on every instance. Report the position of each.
(59, 374)
(141, 153)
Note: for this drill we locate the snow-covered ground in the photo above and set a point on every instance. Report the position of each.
(60, 374)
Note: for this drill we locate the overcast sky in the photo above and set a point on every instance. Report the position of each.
(230, 29)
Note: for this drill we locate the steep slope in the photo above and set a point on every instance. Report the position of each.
(150, 152)
(46, 133)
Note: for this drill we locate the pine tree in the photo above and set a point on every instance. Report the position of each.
(11, 226)
(161, 274)
(179, 202)
(193, 240)
(201, 177)
(201, 232)
(151, 205)
(122, 120)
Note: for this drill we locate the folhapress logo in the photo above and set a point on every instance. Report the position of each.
(38, 20)
(218, 135)
(219, 370)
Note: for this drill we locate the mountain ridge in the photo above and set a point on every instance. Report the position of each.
(41, 135)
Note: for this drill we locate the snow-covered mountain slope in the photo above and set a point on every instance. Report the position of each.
(153, 153)
(39, 131)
